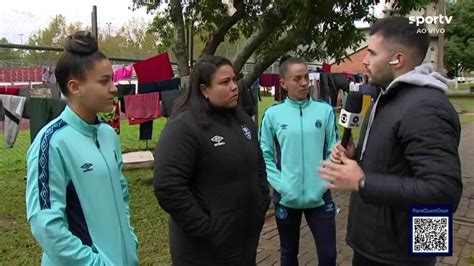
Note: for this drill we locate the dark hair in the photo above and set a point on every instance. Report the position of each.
(409, 35)
(285, 62)
(80, 53)
(193, 100)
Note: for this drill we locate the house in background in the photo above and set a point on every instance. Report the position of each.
(353, 62)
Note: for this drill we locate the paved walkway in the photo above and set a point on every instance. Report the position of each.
(463, 224)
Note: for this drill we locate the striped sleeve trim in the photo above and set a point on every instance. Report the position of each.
(43, 164)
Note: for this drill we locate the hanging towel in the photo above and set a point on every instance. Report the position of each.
(123, 90)
(13, 110)
(154, 69)
(142, 108)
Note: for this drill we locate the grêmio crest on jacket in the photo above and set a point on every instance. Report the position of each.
(246, 132)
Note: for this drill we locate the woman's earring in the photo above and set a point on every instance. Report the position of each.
(205, 96)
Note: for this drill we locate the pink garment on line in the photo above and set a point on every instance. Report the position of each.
(142, 108)
(123, 73)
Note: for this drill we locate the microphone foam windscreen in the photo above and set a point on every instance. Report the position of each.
(354, 102)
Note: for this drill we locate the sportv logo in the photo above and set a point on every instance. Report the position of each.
(440, 19)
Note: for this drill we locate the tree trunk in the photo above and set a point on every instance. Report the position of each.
(219, 35)
(255, 40)
(284, 45)
(179, 46)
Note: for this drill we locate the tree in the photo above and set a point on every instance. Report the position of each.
(8, 57)
(313, 30)
(459, 37)
(53, 35)
(131, 40)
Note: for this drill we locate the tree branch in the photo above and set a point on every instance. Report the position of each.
(269, 25)
(219, 35)
(284, 45)
(179, 45)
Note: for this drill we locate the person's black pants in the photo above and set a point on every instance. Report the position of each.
(321, 221)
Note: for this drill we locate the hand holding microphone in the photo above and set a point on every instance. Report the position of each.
(350, 118)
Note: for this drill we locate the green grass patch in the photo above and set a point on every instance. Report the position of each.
(461, 86)
(466, 119)
(464, 103)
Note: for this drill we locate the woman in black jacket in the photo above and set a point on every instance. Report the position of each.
(209, 172)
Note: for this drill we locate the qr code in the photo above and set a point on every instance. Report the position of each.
(430, 234)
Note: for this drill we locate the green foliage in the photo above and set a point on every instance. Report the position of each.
(8, 56)
(131, 40)
(459, 37)
(314, 30)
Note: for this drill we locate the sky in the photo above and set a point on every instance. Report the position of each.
(19, 19)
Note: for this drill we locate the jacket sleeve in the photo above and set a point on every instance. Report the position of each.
(267, 144)
(46, 203)
(262, 175)
(175, 163)
(430, 137)
(125, 193)
(332, 134)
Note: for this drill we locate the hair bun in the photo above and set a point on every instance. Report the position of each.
(81, 43)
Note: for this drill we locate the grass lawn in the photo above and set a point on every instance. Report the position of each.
(464, 103)
(17, 246)
(461, 86)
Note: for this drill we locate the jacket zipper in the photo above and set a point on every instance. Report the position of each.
(302, 152)
(113, 192)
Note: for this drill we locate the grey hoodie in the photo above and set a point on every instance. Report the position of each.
(423, 76)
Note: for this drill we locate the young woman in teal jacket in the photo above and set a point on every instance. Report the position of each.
(76, 194)
(295, 136)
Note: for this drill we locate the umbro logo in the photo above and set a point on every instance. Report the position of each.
(86, 167)
(284, 126)
(218, 140)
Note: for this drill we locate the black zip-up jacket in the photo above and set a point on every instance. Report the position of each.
(213, 184)
(411, 157)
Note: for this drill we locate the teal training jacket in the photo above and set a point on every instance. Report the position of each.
(76, 195)
(295, 136)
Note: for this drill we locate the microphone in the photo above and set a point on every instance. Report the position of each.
(350, 115)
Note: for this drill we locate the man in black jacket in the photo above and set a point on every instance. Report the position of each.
(407, 152)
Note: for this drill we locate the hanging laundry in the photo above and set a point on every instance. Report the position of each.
(123, 73)
(154, 69)
(112, 118)
(142, 108)
(13, 110)
(146, 129)
(55, 91)
(122, 91)
(48, 75)
(9, 90)
(41, 111)
(157, 68)
(168, 98)
(326, 67)
(272, 80)
(169, 92)
(159, 86)
(269, 80)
